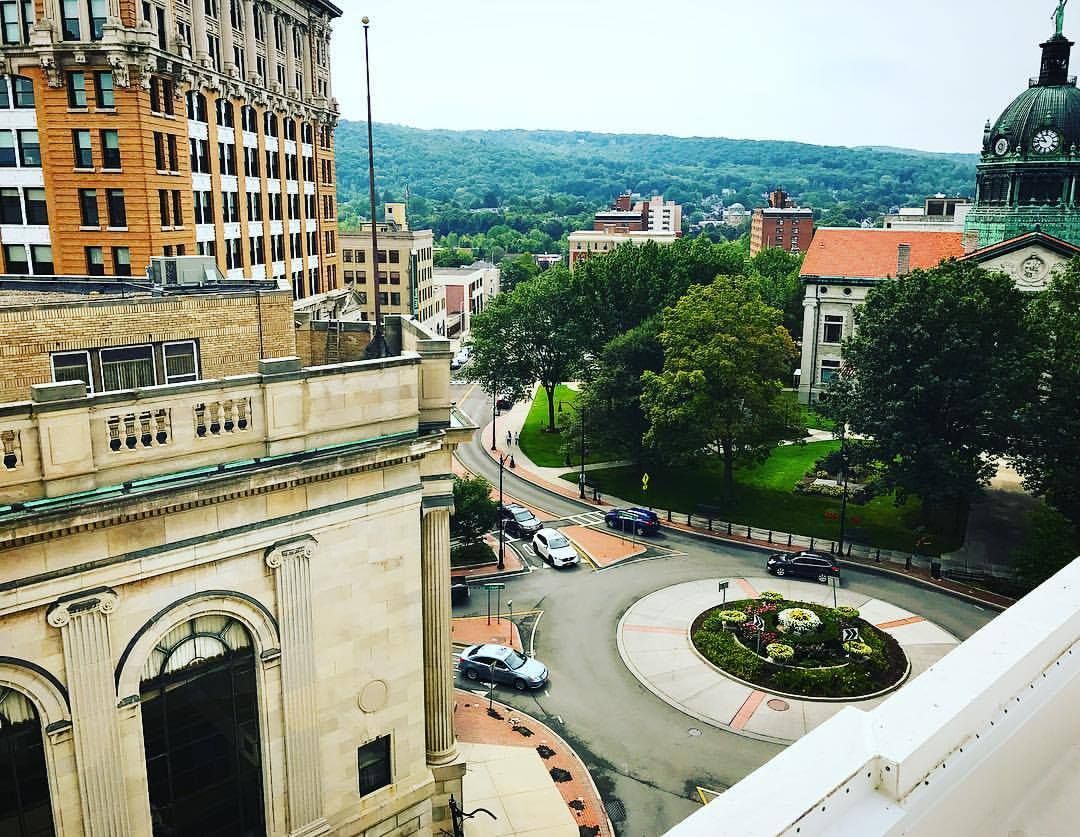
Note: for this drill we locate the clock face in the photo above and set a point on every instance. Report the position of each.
(1046, 141)
(1001, 147)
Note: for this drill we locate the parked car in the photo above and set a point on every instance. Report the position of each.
(553, 547)
(500, 664)
(806, 564)
(635, 521)
(459, 593)
(504, 402)
(463, 356)
(519, 521)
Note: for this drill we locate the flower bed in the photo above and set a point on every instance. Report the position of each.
(821, 664)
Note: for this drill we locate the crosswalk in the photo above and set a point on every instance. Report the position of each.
(590, 518)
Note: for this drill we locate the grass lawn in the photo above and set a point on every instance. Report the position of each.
(763, 497)
(811, 418)
(544, 448)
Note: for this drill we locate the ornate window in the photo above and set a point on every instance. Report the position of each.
(201, 730)
(25, 810)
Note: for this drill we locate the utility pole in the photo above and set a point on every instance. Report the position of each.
(377, 348)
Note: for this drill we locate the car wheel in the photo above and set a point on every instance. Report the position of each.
(536, 550)
(824, 579)
(610, 524)
(472, 674)
(780, 570)
(519, 684)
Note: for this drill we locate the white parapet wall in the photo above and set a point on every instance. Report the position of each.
(986, 741)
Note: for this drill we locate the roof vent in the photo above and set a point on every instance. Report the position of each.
(903, 259)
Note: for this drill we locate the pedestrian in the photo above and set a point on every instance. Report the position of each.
(509, 438)
(517, 436)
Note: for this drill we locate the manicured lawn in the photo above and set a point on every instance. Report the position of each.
(544, 448)
(811, 418)
(763, 497)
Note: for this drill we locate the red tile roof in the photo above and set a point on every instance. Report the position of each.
(872, 254)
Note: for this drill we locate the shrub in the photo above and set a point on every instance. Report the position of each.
(731, 617)
(858, 649)
(772, 596)
(779, 652)
(798, 620)
(847, 613)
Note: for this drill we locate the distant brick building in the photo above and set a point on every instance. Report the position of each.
(781, 224)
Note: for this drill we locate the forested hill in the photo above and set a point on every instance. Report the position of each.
(462, 171)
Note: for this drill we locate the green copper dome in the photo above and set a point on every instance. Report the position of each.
(1037, 110)
(1029, 174)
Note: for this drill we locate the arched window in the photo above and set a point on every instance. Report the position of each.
(196, 106)
(25, 810)
(271, 124)
(249, 118)
(224, 112)
(201, 730)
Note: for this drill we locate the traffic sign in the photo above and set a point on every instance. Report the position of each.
(723, 586)
(494, 586)
(850, 634)
(644, 482)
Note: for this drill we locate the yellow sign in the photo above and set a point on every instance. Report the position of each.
(644, 482)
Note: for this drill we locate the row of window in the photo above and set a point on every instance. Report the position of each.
(225, 116)
(129, 367)
(360, 276)
(28, 144)
(360, 256)
(200, 161)
(204, 206)
(16, 91)
(82, 143)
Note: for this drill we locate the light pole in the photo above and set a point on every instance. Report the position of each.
(494, 412)
(580, 413)
(502, 523)
(843, 496)
(377, 348)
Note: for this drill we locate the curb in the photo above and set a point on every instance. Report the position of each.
(514, 710)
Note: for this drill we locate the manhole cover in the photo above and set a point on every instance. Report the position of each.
(693, 732)
(778, 705)
(615, 810)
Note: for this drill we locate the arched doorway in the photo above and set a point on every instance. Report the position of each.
(201, 731)
(25, 810)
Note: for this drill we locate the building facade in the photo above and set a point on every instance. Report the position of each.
(630, 215)
(781, 224)
(225, 601)
(405, 268)
(938, 212)
(169, 127)
(586, 243)
(467, 291)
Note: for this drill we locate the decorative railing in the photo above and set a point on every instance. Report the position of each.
(144, 429)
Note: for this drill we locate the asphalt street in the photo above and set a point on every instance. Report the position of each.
(647, 758)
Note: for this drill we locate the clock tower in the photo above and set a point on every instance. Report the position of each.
(1029, 174)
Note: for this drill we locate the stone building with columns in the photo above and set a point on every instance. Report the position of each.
(130, 130)
(224, 602)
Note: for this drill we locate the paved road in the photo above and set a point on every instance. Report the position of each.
(647, 758)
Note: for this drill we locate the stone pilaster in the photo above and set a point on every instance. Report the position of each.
(435, 602)
(307, 64)
(198, 28)
(251, 55)
(228, 58)
(290, 59)
(291, 562)
(807, 362)
(83, 621)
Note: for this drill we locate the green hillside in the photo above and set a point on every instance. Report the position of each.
(544, 183)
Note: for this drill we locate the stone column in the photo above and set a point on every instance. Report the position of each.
(435, 603)
(198, 28)
(308, 63)
(228, 64)
(290, 60)
(84, 630)
(271, 47)
(291, 562)
(809, 343)
(249, 41)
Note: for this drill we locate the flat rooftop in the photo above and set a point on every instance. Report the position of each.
(17, 292)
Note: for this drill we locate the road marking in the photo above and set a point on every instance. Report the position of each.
(468, 392)
(532, 634)
(706, 795)
(896, 623)
(746, 711)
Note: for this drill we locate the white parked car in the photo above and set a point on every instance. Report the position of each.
(553, 547)
(461, 358)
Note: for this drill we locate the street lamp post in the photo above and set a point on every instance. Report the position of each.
(494, 412)
(580, 413)
(844, 495)
(502, 523)
(377, 348)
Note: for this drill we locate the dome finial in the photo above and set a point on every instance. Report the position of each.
(1059, 17)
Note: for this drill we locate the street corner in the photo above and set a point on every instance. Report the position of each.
(602, 549)
(474, 630)
(523, 771)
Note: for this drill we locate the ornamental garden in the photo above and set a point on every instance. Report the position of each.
(800, 649)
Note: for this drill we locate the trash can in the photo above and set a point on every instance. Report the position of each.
(935, 569)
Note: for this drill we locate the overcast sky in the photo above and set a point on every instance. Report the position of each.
(915, 73)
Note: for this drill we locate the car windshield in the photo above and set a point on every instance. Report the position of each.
(523, 514)
(557, 542)
(514, 660)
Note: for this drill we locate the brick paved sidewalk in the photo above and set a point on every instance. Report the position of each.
(470, 630)
(603, 549)
(473, 724)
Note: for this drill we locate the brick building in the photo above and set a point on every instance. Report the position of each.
(781, 224)
(168, 127)
(224, 601)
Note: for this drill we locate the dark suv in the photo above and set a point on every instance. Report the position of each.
(519, 521)
(636, 521)
(806, 564)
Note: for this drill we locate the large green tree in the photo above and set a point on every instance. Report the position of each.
(474, 509)
(512, 272)
(527, 335)
(933, 376)
(1047, 443)
(720, 390)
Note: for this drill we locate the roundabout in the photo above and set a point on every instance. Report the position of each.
(691, 649)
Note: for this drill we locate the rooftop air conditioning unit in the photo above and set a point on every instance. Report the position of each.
(172, 271)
